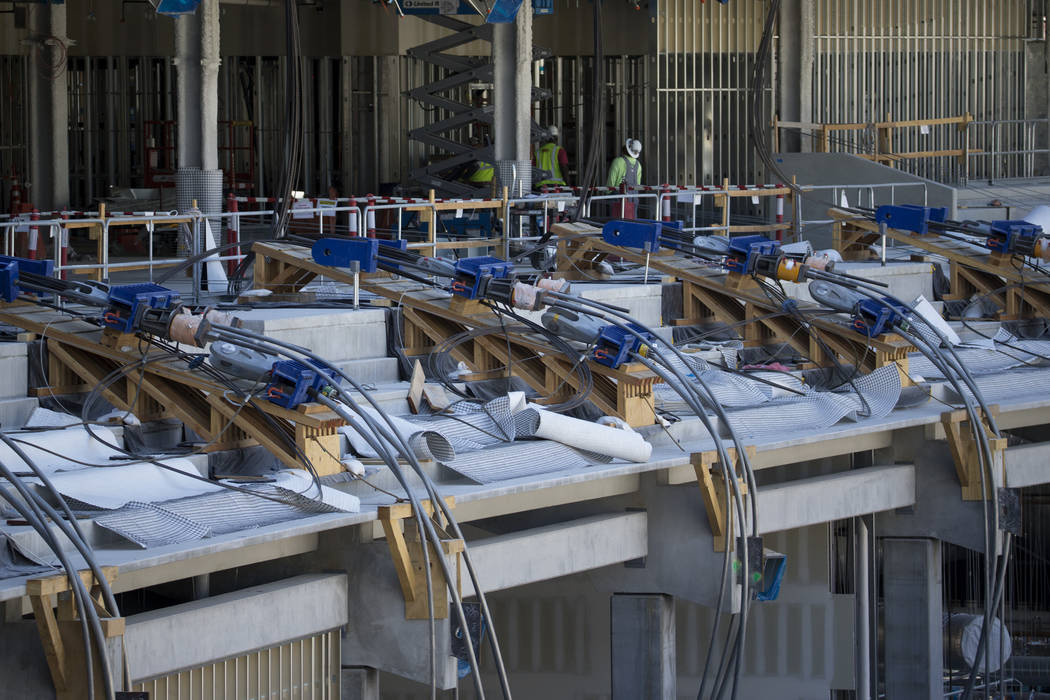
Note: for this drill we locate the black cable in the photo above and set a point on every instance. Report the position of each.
(308, 358)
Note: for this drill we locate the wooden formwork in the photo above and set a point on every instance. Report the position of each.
(709, 293)
(1019, 292)
(154, 386)
(432, 316)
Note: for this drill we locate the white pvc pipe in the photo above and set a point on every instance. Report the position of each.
(584, 435)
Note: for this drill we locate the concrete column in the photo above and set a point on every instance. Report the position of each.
(795, 71)
(643, 647)
(512, 75)
(188, 88)
(209, 84)
(197, 111)
(913, 634)
(48, 107)
(390, 131)
(359, 683)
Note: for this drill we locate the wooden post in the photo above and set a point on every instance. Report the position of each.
(433, 225)
(884, 141)
(725, 206)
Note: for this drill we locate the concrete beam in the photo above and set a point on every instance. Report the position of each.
(939, 511)
(1027, 465)
(183, 636)
(380, 636)
(822, 499)
(544, 553)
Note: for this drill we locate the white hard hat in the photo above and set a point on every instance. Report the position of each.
(553, 131)
(634, 147)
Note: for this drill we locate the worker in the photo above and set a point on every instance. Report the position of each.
(552, 159)
(483, 173)
(479, 172)
(626, 169)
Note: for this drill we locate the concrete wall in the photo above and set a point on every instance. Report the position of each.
(845, 169)
(555, 636)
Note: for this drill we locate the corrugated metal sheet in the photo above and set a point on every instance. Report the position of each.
(304, 669)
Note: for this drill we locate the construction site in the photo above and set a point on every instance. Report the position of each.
(536, 349)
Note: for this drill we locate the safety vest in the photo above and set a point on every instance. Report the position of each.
(483, 173)
(547, 159)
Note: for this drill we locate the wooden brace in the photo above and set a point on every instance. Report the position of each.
(965, 453)
(713, 491)
(57, 635)
(407, 553)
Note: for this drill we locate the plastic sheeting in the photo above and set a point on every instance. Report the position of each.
(16, 562)
(521, 459)
(73, 441)
(1006, 351)
(114, 487)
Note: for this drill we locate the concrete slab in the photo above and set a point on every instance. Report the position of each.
(336, 335)
(1027, 465)
(371, 370)
(642, 301)
(1009, 199)
(14, 368)
(14, 412)
(906, 280)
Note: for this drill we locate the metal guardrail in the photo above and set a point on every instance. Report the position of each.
(665, 202)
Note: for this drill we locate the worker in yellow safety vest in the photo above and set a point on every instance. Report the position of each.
(552, 159)
(626, 170)
(483, 173)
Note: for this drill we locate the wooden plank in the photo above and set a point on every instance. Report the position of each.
(51, 640)
(52, 585)
(415, 388)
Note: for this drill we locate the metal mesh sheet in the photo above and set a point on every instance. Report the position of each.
(520, 459)
(471, 426)
(196, 517)
(1008, 352)
(874, 396)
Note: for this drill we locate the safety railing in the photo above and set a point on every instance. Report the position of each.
(872, 191)
(992, 156)
(521, 217)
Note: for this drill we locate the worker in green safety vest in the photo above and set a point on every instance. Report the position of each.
(626, 169)
(552, 159)
(479, 172)
(483, 173)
